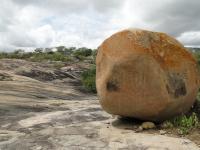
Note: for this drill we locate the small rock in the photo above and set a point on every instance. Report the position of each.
(5, 77)
(186, 142)
(148, 125)
(135, 127)
(39, 148)
(166, 125)
(162, 132)
(139, 129)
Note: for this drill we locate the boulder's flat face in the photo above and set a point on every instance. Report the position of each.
(146, 75)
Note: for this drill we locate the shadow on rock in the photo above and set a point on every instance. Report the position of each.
(126, 123)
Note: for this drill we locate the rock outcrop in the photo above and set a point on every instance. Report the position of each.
(146, 75)
(55, 115)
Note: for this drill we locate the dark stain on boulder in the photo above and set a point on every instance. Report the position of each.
(176, 85)
(112, 86)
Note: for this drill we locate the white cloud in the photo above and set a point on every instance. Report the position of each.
(45, 23)
(190, 38)
(42, 36)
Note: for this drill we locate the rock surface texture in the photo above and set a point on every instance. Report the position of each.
(55, 115)
(146, 75)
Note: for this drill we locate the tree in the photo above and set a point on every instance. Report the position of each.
(19, 51)
(48, 50)
(60, 49)
(83, 51)
(38, 50)
(69, 51)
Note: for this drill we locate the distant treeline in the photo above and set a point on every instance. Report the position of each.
(194, 49)
(60, 53)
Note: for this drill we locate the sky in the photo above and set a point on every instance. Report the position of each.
(29, 24)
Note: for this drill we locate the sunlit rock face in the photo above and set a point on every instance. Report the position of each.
(145, 75)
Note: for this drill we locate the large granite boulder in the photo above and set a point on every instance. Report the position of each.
(145, 75)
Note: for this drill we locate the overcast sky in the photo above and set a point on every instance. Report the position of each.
(48, 23)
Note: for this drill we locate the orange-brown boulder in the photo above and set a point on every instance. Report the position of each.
(145, 75)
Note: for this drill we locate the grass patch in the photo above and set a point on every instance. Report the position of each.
(187, 122)
(184, 123)
(88, 79)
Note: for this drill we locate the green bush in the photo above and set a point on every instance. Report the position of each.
(82, 52)
(185, 123)
(88, 79)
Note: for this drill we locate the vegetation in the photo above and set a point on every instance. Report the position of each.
(53, 56)
(60, 53)
(185, 123)
(81, 53)
(197, 56)
(88, 78)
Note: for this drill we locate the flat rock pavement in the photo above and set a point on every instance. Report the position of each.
(40, 115)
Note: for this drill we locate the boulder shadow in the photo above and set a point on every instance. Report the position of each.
(127, 123)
